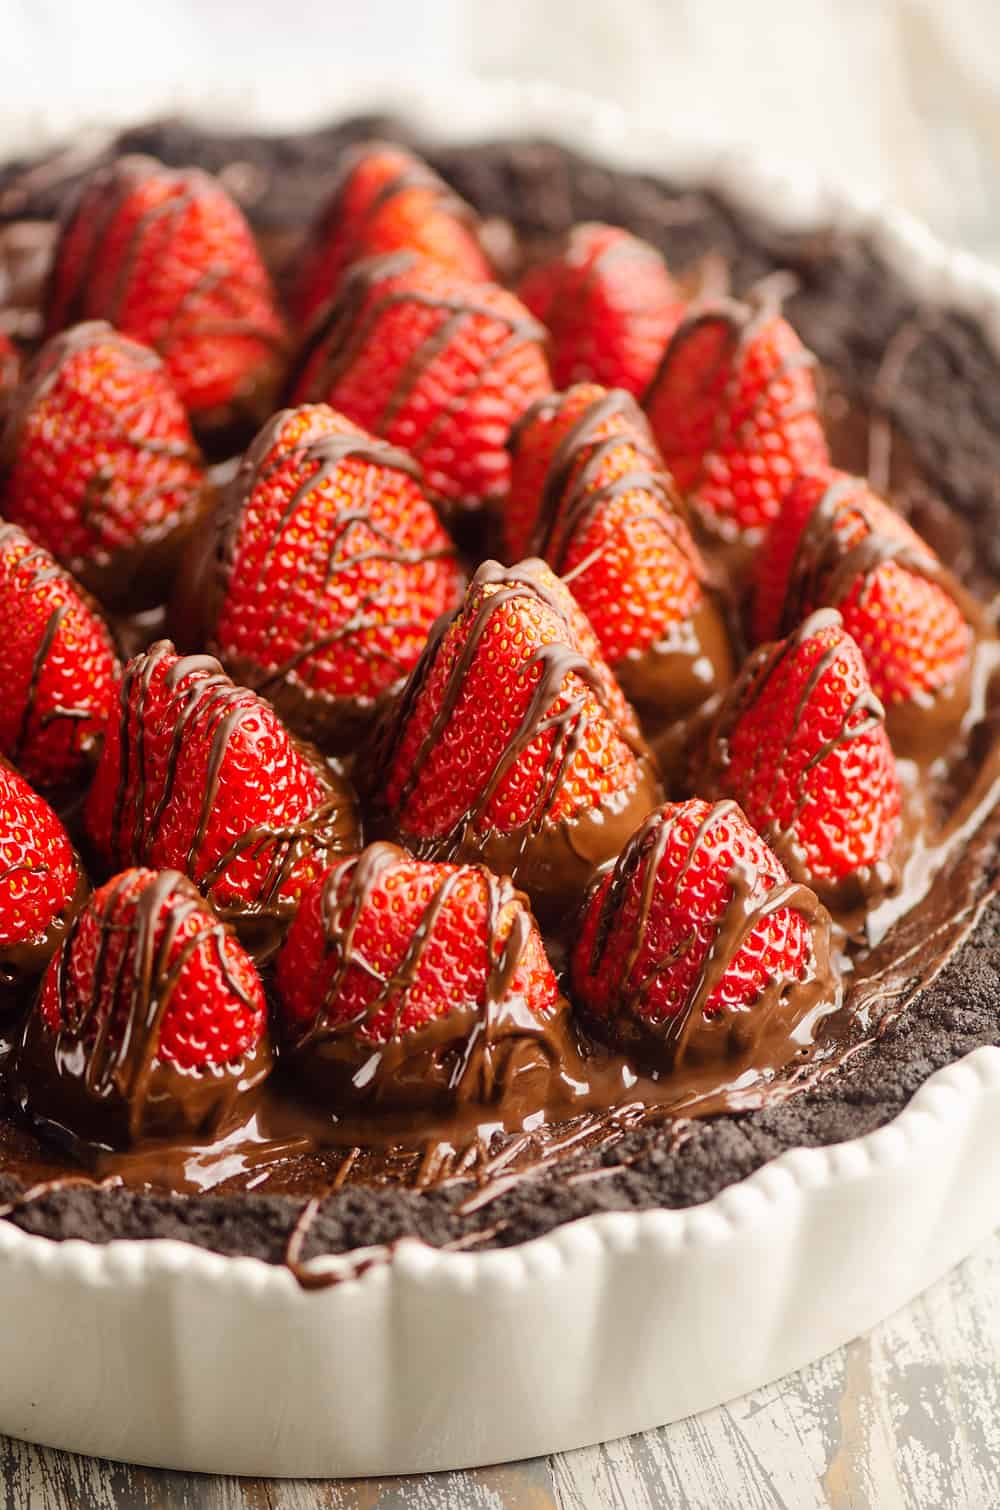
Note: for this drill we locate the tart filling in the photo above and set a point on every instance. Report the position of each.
(501, 1117)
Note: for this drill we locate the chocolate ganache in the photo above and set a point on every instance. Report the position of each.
(921, 973)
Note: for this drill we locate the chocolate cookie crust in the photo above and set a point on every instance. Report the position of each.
(926, 374)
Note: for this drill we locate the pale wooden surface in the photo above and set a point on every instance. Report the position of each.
(909, 1416)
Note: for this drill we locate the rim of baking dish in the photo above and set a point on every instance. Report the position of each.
(794, 198)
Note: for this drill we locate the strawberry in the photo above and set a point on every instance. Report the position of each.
(98, 465)
(201, 775)
(549, 445)
(696, 944)
(506, 747)
(441, 965)
(41, 883)
(582, 638)
(610, 306)
(432, 362)
(602, 509)
(58, 667)
(151, 1019)
(386, 200)
(837, 544)
(10, 368)
(733, 407)
(319, 577)
(167, 257)
(799, 742)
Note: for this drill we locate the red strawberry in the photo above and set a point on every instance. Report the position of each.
(58, 666)
(386, 200)
(10, 367)
(99, 465)
(319, 577)
(733, 407)
(696, 947)
(201, 775)
(835, 543)
(610, 306)
(506, 748)
(441, 965)
(582, 638)
(606, 515)
(41, 883)
(432, 362)
(169, 259)
(151, 1019)
(799, 743)
(547, 452)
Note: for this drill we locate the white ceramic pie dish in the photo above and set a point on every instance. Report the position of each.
(162, 1353)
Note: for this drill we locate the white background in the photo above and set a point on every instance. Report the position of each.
(855, 86)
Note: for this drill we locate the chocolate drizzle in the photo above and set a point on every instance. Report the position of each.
(413, 174)
(849, 307)
(579, 458)
(101, 200)
(366, 293)
(100, 1075)
(21, 963)
(741, 324)
(692, 660)
(214, 702)
(824, 572)
(37, 562)
(764, 1034)
(553, 861)
(137, 575)
(495, 1052)
(865, 885)
(335, 722)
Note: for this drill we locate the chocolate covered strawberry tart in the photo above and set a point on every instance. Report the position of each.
(499, 692)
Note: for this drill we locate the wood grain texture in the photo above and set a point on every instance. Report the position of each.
(908, 1416)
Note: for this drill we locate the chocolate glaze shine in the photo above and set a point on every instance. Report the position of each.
(516, 1187)
(103, 1083)
(560, 1088)
(763, 1038)
(476, 1054)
